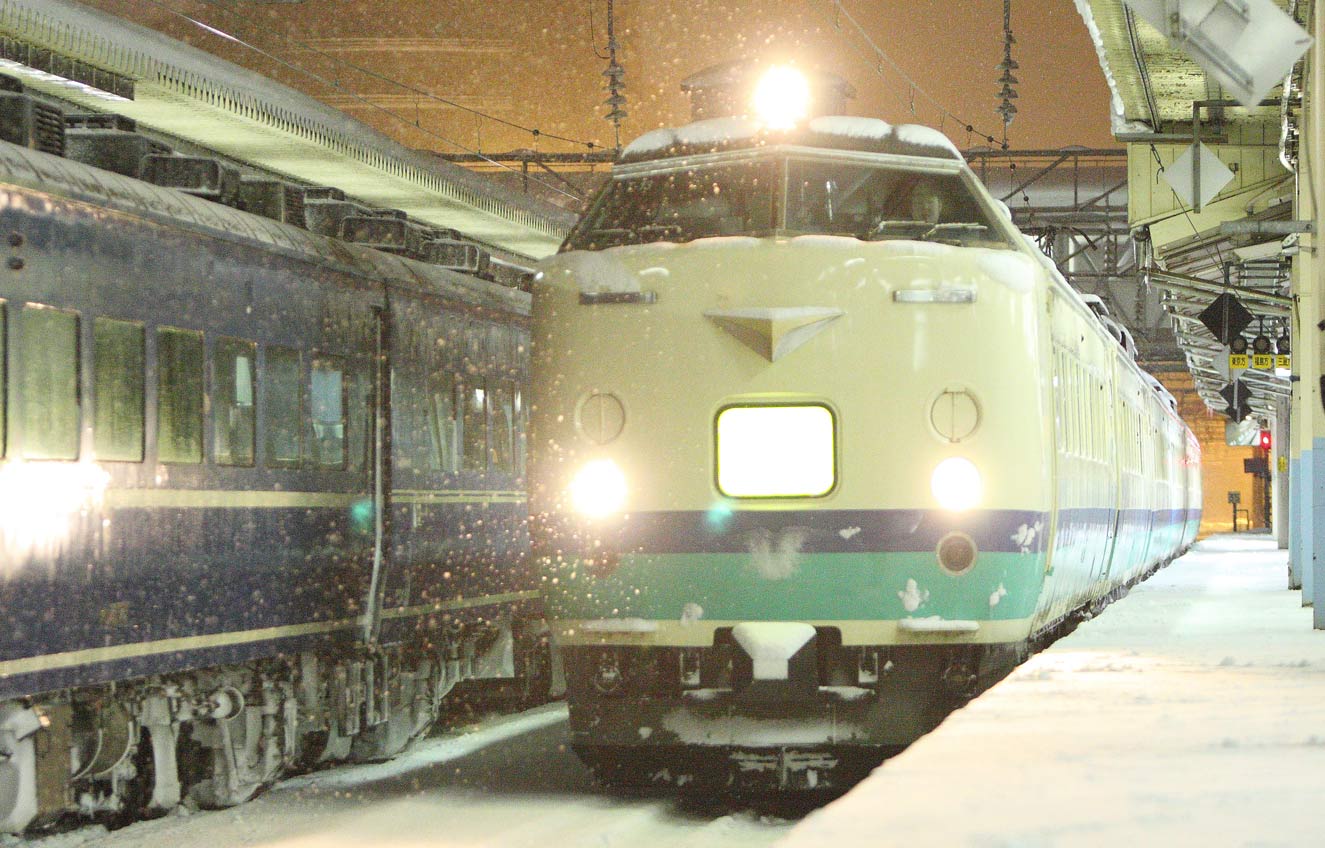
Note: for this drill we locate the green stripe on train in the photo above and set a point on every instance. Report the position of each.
(820, 586)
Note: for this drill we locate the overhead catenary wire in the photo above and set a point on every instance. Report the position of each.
(303, 45)
(219, 33)
(879, 58)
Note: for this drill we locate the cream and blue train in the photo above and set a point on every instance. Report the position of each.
(820, 446)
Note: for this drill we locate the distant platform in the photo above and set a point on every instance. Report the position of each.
(1192, 712)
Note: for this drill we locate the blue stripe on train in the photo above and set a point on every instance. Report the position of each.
(721, 530)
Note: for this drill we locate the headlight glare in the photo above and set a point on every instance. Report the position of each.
(599, 489)
(956, 484)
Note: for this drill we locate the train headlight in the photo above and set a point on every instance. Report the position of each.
(956, 484)
(781, 97)
(599, 489)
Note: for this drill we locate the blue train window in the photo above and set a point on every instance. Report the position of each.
(118, 362)
(474, 425)
(234, 417)
(179, 366)
(326, 443)
(502, 430)
(284, 405)
(48, 382)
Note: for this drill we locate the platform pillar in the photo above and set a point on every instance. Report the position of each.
(1279, 480)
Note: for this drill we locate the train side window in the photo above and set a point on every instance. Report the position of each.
(327, 404)
(442, 419)
(118, 375)
(235, 420)
(48, 382)
(179, 358)
(283, 406)
(359, 416)
(474, 425)
(413, 446)
(4, 395)
(501, 444)
(521, 430)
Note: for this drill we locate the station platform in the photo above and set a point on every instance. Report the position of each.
(1191, 712)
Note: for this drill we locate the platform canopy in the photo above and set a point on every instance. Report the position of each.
(101, 63)
(1163, 102)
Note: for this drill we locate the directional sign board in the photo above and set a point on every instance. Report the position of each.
(1193, 188)
(1225, 318)
(1247, 45)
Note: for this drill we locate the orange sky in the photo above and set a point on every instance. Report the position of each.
(533, 63)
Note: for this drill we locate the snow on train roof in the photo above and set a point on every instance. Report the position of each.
(839, 132)
(54, 175)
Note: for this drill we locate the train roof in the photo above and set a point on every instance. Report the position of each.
(37, 171)
(836, 132)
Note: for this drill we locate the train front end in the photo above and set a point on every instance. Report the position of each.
(787, 451)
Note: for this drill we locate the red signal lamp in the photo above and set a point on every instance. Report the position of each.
(1263, 442)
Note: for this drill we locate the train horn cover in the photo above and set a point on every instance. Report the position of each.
(781, 97)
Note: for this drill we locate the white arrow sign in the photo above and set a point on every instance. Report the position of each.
(1197, 177)
(1247, 45)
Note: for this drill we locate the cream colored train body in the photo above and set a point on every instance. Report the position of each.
(815, 455)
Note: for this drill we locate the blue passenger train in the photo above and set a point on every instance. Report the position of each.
(261, 490)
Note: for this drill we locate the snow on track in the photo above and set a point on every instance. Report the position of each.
(1192, 712)
(512, 782)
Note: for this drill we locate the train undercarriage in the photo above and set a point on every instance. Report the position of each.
(215, 737)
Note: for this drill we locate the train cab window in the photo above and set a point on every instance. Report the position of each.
(118, 361)
(501, 441)
(234, 423)
(326, 440)
(474, 425)
(681, 205)
(879, 203)
(179, 367)
(776, 451)
(283, 407)
(48, 382)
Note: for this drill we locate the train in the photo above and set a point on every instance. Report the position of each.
(821, 446)
(261, 480)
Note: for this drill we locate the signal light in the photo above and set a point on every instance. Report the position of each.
(1264, 441)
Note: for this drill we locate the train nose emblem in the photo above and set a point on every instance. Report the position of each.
(774, 332)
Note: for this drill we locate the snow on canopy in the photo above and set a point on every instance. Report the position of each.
(838, 132)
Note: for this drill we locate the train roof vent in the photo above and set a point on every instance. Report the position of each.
(100, 121)
(199, 176)
(323, 216)
(111, 147)
(275, 199)
(323, 193)
(28, 122)
(458, 256)
(390, 234)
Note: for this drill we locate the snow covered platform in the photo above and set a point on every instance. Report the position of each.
(1192, 712)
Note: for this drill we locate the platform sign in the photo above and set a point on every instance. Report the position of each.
(1239, 361)
(1283, 465)
(1283, 361)
(1235, 498)
(1262, 361)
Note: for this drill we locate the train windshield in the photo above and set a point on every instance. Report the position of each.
(682, 206)
(781, 196)
(876, 203)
